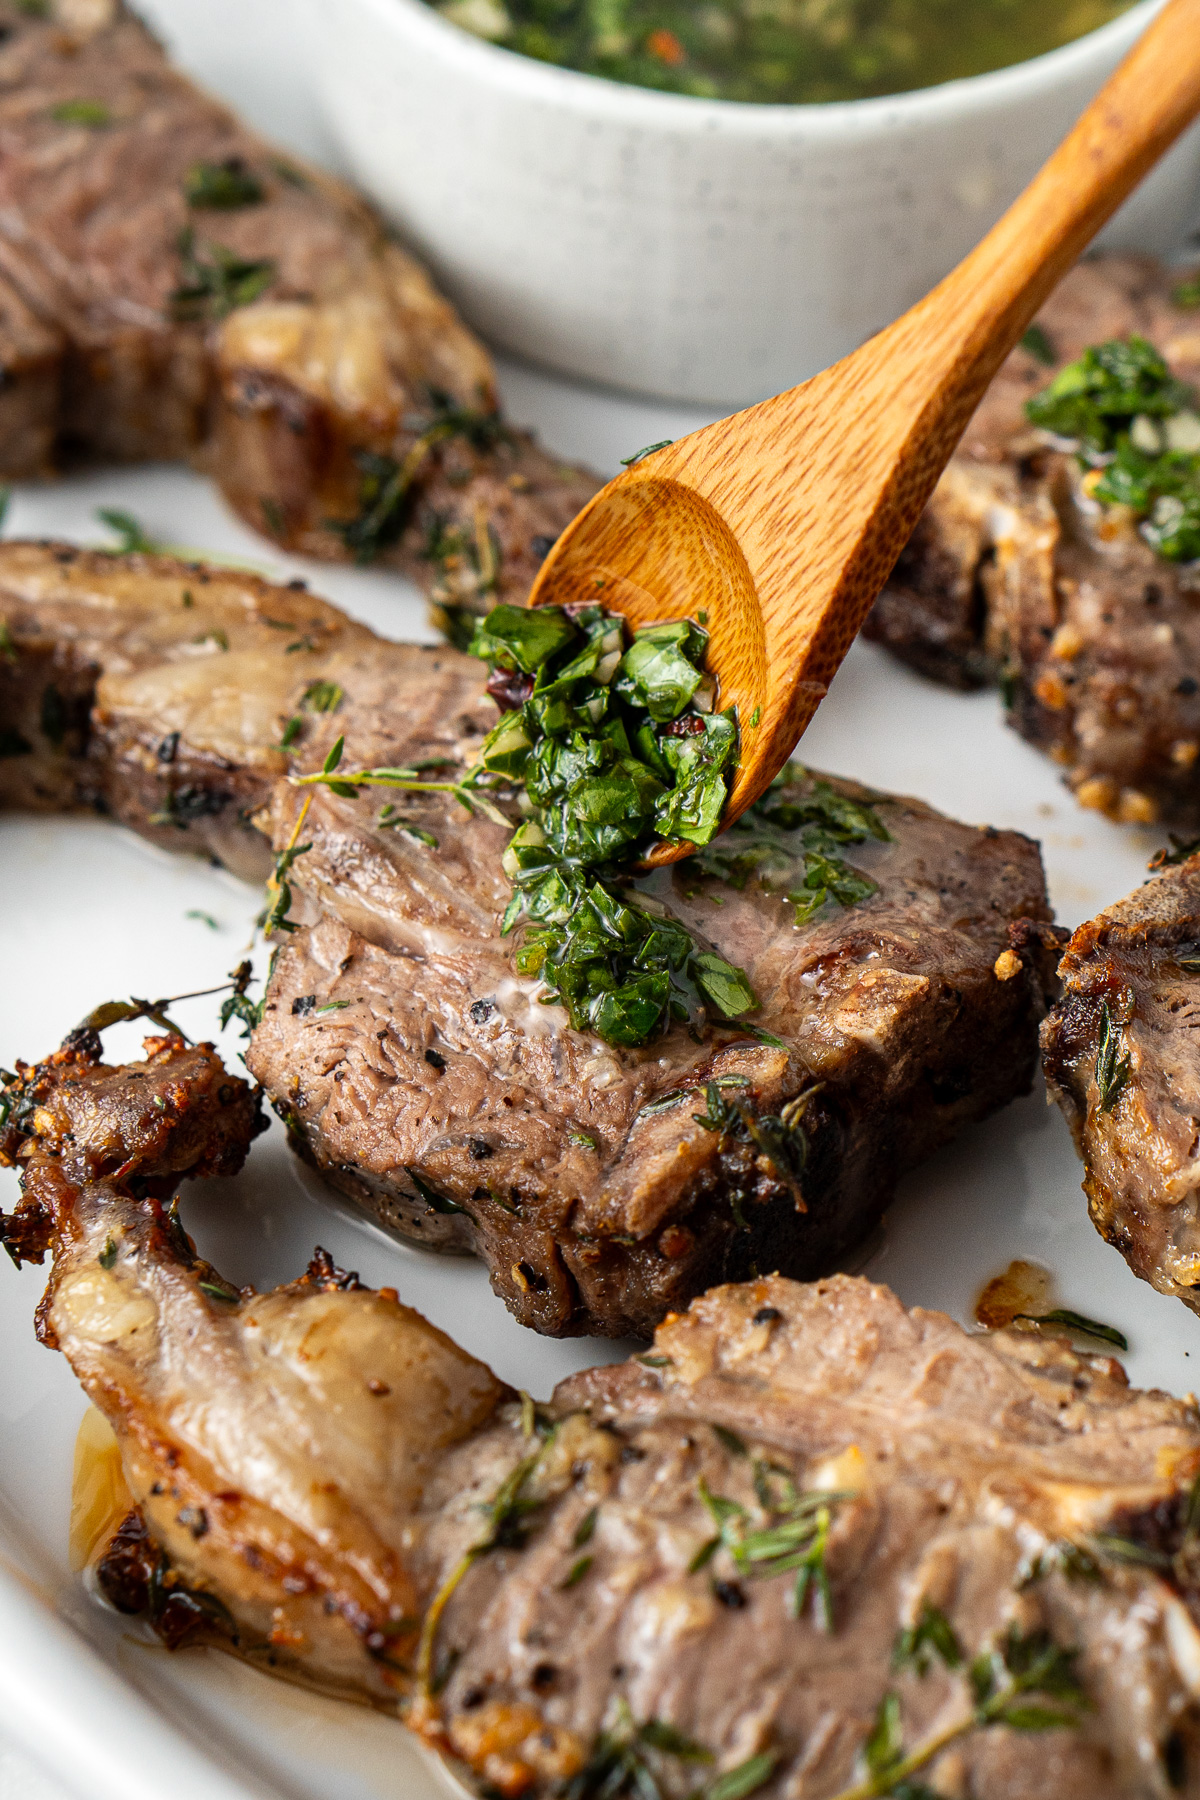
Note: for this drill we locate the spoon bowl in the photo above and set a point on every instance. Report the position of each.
(777, 527)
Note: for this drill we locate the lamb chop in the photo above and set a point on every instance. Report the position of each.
(173, 288)
(415, 1067)
(812, 1544)
(1016, 574)
(1121, 1060)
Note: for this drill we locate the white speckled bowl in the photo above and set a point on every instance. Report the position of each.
(701, 250)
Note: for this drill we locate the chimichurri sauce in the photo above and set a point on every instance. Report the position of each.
(784, 51)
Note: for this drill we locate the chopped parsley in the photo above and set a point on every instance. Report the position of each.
(615, 746)
(791, 838)
(1136, 429)
(774, 52)
(609, 744)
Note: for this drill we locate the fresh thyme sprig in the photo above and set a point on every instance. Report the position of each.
(794, 1540)
(507, 1515)
(117, 1012)
(347, 781)
(625, 1755)
(781, 1139)
(1112, 1067)
(1025, 1681)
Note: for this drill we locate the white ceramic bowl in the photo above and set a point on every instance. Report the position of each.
(700, 250)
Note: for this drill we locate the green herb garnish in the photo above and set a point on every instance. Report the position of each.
(793, 1540)
(322, 696)
(1036, 342)
(609, 745)
(627, 462)
(386, 485)
(1025, 1682)
(222, 186)
(132, 540)
(212, 288)
(108, 1255)
(1112, 1067)
(203, 918)
(745, 1779)
(1061, 1315)
(794, 837)
(624, 1758)
(92, 113)
(1136, 427)
(1187, 294)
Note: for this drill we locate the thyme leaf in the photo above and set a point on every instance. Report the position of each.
(1112, 1067)
(1061, 1315)
(1037, 342)
(625, 1758)
(222, 186)
(793, 1541)
(627, 462)
(1025, 1681)
(131, 539)
(745, 1779)
(932, 1635)
(92, 113)
(215, 286)
(322, 696)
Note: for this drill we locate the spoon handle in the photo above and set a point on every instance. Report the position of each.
(954, 340)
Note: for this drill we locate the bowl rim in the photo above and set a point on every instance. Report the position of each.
(570, 90)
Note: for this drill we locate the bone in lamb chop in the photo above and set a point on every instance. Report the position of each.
(1018, 574)
(812, 1544)
(415, 1067)
(173, 288)
(1122, 1060)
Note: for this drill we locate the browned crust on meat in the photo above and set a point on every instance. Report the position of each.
(1136, 1121)
(1014, 575)
(347, 354)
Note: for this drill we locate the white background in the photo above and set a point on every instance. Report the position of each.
(88, 912)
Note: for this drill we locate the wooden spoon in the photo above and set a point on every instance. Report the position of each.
(783, 522)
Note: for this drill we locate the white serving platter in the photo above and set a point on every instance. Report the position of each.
(88, 912)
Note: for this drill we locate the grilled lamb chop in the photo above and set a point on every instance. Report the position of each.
(813, 1545)
(1015, 575)
(171, 287)
(1122, 1061)
(415, 1068)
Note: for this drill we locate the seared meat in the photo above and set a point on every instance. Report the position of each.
(726, 1555)
(171, 287)
(1015, 575)
(415, 1068)
(1122, 1060)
